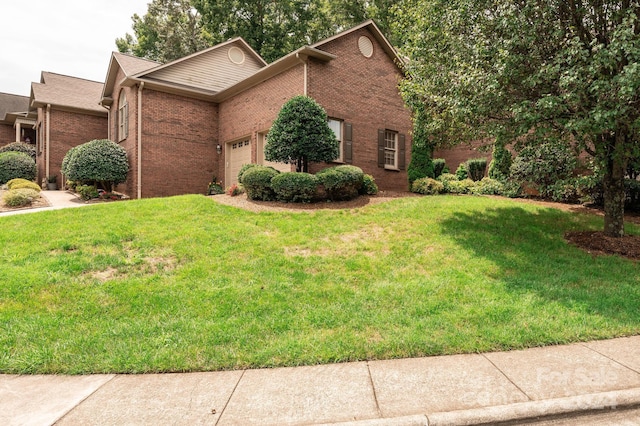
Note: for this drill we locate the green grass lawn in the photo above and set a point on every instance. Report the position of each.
(185, 284)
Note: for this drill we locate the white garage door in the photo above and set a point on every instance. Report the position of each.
(238, 154)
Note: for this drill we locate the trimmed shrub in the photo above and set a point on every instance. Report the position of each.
(87, 192)
(20, 147)
(20, 197)
(64, 168)
(23, 183)
(439, 167)
(243, 169)
(500, 163)
(461, 172)
(369, 186)
(512, 189)
(101, 161)
(476, 168)
(464, 186)
(294, 187)
(257, 183)
(427, 186)
(16, 165)
(341, 182)
(564, 191)
(487, 186)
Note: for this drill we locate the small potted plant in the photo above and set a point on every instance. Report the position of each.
(52, 184)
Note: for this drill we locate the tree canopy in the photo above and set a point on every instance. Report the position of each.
(300, 134)
(175, 28)
(531, 72)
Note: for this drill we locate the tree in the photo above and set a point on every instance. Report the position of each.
(300, 134)
(170, 29)
(555, 71)
(99, 161)
(421, 164)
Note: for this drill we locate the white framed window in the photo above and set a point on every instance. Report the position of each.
(336, 126)
(123, 117)
(390, 149)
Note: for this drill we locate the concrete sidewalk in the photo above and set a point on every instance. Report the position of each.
(57, 200)
(444, 390)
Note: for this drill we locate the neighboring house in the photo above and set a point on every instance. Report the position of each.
(16, 124)
(68, 114)
(205, 115)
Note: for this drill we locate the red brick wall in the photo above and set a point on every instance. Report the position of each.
(363, 91)
(7, 134)
(129, 144)
(459, 154)
(255, 109)
(69, 129)
(179, 138)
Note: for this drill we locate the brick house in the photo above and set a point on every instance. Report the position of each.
(67, 114)
(205, 115)
(16, 124)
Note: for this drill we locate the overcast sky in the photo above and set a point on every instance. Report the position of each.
(71, 37)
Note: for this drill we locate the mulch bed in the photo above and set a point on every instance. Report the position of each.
(596, 243)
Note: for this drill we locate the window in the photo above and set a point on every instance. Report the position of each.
(390, 149)
(336, 127)
(123, 117)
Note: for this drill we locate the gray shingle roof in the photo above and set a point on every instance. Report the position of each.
(66, 91)
(12, 103)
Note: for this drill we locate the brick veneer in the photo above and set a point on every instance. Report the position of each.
(459, 154)
(7, 134)
(363, 91)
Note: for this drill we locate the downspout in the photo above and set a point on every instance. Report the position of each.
(303, 59)
(48, 139)
(140, 87)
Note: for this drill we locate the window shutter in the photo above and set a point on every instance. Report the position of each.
(380, 147)
(401, 150)
(347, 153)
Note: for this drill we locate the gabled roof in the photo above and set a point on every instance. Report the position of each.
(130, 65)
(12, 105)
(380, 38)
(67, 92)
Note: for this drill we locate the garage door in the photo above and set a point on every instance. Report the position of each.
(238, 154)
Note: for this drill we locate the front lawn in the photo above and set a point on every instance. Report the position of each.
(185, 284)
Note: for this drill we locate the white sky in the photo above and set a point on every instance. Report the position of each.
(71, 37)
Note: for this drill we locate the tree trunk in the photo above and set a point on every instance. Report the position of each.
(614, 195)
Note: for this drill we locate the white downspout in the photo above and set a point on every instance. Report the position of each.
(140, 87)
(306, 73)
(48, 139)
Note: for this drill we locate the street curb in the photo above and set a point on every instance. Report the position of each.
(518, 412)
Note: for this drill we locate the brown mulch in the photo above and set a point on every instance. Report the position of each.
(596, 243)
(40, 202)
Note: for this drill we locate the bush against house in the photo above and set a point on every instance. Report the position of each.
(16, 165)
(300, 135)
(100, 162)
(20, 147)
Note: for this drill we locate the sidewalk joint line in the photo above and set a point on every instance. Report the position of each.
(230, 396)
(584, 344)
(508, 378)
(85, 398)
(375, 394)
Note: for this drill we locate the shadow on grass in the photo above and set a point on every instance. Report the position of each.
(531, 256)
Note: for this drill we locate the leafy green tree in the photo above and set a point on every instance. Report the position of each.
(300, 134)
(101, 161)
(421, 164)
(559, 70)
(169, 30)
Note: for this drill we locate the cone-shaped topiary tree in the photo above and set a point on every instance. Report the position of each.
(300, 134)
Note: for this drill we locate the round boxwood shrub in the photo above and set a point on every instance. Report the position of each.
(20, 197)
(257, 183)
(294, 187)
(487, 186)
(101, 161)
(464, 186)
(16, 165)
(20, 147)
(427, 186)
(243, 169)
(18, 181)
(341, 182)
(369, 186)
(64, 168)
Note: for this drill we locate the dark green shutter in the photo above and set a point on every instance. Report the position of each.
(380, 147)
(401, 150)
(347, 149)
